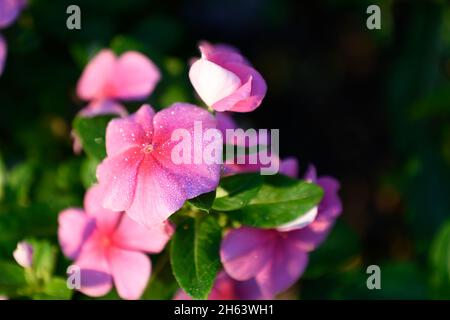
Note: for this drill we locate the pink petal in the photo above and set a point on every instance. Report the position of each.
(289, 167)
(96, 277)
(224, 122)
(105, 220)
(95, 78)
(229, 102)
(254, 81)
(131, 272)
(3, 53)
(212, 82)
(193, 178)
(118, 176)
(157, 195)
(311, 174)
(331, 206)
(221, 53)
(103, 107)
(9, 11)
(122, 135)
(74, 227)
(285, 267)
(135, 77)
(144, 117)
(308, 239)
(133, 236)
(245, 251)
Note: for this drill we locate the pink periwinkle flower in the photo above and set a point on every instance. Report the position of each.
(131, 76)
(24, 254)
(139, 175)
(226, 288)
(276, 258)
(225, 80)
(108, 78)
(109, 247)
(9, 11)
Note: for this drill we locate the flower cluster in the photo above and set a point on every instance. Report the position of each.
(139, 187)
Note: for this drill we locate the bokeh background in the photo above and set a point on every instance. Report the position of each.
(370, 107)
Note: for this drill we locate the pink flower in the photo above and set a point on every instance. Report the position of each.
(24, 254)
(128, 77)
(9, 11)
(139, 175)
(225, 80)
(276, 258)
(108, 78)
(226, 288)
(3, 53)
(109, 247)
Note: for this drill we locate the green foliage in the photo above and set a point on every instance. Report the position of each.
(91, 132)
(440, 262)
(194, 255)
(236, 191)
(204, 201)
(278, 200)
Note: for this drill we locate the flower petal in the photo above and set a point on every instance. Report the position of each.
(135, 77)
(102, 107)
(105, 220)
(212, 82)
(95, 274)
(285, 267)
(253, 94)
(144, 117)
(245, 251)
(74, 228)
(194, 178)
(3, 53)
(9, 11)
(118, 176)
(123, 134)
(157, 195)
(131, 272)
(132, 236)
(95, 78)
(289, 167)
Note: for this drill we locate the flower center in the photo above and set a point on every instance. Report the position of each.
(147, 148)
(105, 242)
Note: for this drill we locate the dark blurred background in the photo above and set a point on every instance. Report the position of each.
(369, 107)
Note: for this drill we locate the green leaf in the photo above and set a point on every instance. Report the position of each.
(88, 172)
(236, 191)
(194, 255)
(12, 278)
(91, 132)
(440, 262)
(279, 200)
(55, 289)
(204, 201)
